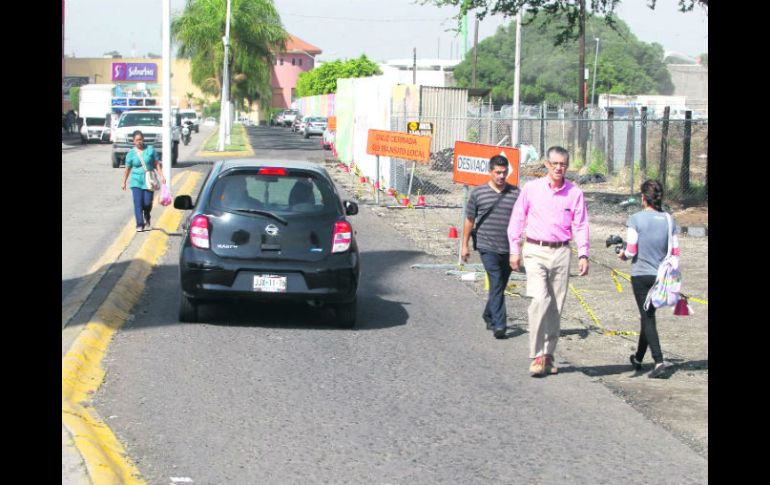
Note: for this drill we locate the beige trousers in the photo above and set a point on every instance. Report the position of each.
(547, 283)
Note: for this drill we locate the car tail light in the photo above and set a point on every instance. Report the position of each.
(199, 232)
(343, 236)
(272, 171)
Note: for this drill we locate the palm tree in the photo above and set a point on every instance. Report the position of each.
(255, 32)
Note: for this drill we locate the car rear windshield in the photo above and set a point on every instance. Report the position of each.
(297, 193)
(141, 119)
(317, 119)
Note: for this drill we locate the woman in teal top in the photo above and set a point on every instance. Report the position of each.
(134, 168)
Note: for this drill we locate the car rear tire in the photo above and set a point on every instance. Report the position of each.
(174, 154)
(346, 314)
(188, 309)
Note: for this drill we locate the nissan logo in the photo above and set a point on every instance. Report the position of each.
(272, 230)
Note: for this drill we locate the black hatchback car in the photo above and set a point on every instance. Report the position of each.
(271, 231)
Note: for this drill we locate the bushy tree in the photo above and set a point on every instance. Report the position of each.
(323, 79)
(549, 71)
(255, 32)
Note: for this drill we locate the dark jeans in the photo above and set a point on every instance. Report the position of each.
(498, 269)
(649, 332)
(142, 205)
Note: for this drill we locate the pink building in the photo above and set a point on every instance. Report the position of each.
(298, 57)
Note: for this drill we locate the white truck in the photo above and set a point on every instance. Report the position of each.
(94, 110)
(150, 123)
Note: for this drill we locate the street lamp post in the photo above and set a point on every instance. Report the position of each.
(224, 112)
(593, 85)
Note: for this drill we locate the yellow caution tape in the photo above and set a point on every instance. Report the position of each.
(595, 319)
(617, 283)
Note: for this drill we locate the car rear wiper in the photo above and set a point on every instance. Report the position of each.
(264, 213)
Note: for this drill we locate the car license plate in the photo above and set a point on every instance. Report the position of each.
(270, 283)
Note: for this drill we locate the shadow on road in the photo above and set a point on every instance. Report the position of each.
(161, 294)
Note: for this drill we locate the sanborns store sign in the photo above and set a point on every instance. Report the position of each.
(126, 71)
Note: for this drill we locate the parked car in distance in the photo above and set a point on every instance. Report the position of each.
(314, 125)
(289, 115)
(210, 121)
(268, 230)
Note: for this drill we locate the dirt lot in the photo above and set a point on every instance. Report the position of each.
(680, 401)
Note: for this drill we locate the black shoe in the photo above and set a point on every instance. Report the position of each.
(637, 365)
(499, 332)
(658, 371)
(488, 321)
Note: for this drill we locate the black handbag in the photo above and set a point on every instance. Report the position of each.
(475, 229)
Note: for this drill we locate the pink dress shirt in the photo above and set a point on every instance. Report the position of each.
(549, 215)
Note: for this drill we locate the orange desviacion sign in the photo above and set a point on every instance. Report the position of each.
(472, 160)
(332, 123)
(398, 145)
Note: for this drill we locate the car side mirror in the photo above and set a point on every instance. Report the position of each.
(351, 208)
(183, 202)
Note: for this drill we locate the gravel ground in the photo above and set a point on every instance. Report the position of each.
(678, 402)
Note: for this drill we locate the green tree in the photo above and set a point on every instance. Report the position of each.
(549, 71)
(255, 33)
(75, 97)
(323, 79)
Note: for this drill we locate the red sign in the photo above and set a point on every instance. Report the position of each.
(471, 166)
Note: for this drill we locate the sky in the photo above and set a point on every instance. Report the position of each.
(382, 29)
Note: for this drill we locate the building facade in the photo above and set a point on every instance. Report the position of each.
(297, 57)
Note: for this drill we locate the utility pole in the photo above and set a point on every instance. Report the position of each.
(516, 84)
(582, 131)
(475, 49)
(224, 111)
(593, 86)
(414, 65)
(166, 106)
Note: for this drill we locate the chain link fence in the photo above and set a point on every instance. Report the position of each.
(607, 155)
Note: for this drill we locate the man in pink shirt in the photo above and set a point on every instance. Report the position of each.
(553, 210)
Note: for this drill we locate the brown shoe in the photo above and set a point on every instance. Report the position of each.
(537, 367)
(549, 367)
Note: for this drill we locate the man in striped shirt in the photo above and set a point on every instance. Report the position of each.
(553, 210)
(489, 209)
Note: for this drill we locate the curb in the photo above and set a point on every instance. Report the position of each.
(106, 459)
(78, 296)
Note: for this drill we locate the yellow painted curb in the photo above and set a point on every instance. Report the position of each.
(106, 459)
(78, 296)
(244, 153)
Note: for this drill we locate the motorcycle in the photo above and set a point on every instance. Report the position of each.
(186, 133)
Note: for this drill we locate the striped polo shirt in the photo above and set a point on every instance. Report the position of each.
(492, 235)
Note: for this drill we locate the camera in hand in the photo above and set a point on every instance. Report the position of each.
(616, 241)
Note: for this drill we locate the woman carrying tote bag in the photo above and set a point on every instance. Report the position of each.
(652, 233)
(144, 167)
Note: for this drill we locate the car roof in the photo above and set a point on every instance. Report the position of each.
(258, 162)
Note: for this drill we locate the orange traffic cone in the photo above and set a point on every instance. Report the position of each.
(405, 201)
(363, 180)
(421, 201)
(453, 232)
(377, 185)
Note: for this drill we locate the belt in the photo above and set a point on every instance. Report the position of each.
(546, 243)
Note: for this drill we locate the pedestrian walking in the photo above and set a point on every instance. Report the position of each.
(488, 211)
(647, 245)
(139, 160)
(549, 208)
